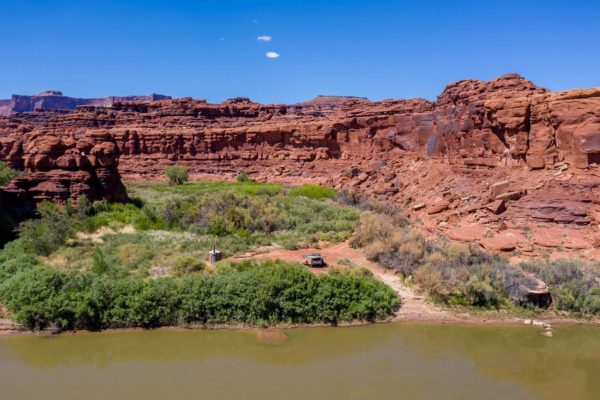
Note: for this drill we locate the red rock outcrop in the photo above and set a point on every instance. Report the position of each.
(61, 168)
(543, 147)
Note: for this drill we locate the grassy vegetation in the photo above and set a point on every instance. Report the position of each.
(104, 265)
(156, 192)
(313, 191)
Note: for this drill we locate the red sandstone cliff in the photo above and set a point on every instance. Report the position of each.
(60, 168)
(451, 155)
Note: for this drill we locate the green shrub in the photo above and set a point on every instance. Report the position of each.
(250, 293)
(41, 297)
(45, 235)
(7, 174)
(591, 305)
(176, 175)
(313, 191)
(122, 312)
(243, 177)
(100, 266)
(157, 303)
(15, 258)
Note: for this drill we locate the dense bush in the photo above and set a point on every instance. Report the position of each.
(247, 293)
(14, 258)
(41, 297)
(176, 175)
(465, 276)
(49, 232)
(7, 174)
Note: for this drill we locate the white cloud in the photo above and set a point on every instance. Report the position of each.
(272, 54)
(264, 38)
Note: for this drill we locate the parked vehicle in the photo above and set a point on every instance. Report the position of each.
(314, 260)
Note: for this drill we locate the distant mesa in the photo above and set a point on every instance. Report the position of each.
(333, 100)
(50, 93)
(239, 100)
(326, 104)
(55, 100)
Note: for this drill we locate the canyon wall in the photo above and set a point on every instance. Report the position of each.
(504, 122)
(485, 152)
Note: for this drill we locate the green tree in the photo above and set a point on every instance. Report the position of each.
(176, 175)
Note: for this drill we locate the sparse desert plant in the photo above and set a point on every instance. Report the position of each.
(372, 227)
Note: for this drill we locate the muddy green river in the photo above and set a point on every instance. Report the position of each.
(386, 361)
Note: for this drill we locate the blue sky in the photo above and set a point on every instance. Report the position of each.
(209, 49)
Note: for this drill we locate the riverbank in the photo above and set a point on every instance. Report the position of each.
(433, 316)
(155, 253)
(415, 307)
(275, 331)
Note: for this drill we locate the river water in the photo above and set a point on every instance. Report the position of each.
(384, 361)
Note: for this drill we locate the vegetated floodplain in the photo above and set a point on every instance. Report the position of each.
(99, 265)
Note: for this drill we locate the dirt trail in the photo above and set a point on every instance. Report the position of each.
(414, 307)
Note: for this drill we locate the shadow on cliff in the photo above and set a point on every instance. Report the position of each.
(10, 218)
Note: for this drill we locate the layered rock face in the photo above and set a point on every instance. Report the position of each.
(494, 154)
(505, 122)
(54, 100)
(61, 168)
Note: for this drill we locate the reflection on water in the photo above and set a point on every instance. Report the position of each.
(387, 361)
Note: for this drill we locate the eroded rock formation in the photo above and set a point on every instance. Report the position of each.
(61, 168)
(495, 155)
